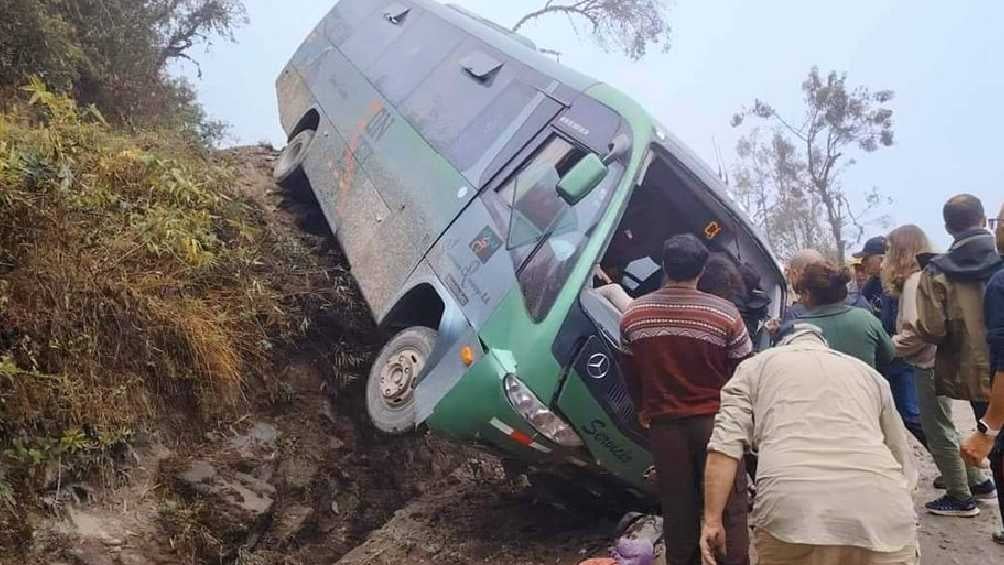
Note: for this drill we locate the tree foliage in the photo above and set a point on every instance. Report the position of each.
(767, 184)
(115, 53)
(629, 26)
(793, 183)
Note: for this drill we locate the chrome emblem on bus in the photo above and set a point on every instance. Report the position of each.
(598, 366)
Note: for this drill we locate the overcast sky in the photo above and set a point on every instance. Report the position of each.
(943, 59)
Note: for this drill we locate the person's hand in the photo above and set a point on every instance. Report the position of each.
(976, 449)
(651, 476)
(712, 541)
(600, 274)
(773, 326)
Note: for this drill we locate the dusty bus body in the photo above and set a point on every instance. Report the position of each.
(475, 185)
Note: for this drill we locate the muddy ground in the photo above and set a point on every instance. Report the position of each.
(306, 480)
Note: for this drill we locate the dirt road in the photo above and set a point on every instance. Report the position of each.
(955, 541)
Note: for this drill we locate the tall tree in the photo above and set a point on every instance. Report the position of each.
(768, 185)
(631, 26)
(114, 53)
(837, 123)
(182, 24)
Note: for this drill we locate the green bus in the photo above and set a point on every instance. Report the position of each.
(475, 186)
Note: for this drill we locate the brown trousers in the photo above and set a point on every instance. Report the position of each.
(775, 552)
(680, 450)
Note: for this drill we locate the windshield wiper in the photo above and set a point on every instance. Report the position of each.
(540, 244)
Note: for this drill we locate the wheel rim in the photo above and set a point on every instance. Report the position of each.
(399, 376)
(290, 155)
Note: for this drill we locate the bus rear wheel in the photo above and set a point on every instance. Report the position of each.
(288, 170)
(390, 390)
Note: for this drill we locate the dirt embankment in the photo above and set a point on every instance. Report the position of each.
(298, 475)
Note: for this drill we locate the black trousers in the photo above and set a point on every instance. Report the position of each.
(680, 451)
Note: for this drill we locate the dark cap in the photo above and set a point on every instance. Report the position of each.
(874, 246)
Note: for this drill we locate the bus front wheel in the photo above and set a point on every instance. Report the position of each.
(390, 391)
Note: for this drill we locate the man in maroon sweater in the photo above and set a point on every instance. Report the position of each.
(680, 348)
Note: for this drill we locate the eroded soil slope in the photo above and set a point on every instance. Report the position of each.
(301, 477)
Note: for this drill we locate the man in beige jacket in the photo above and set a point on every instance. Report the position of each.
(835, 473)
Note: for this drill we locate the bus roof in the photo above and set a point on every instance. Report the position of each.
(509, 43)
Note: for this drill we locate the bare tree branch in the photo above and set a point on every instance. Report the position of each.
(836, 120)
(630, 25)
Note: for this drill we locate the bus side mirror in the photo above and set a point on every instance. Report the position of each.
(586, 175)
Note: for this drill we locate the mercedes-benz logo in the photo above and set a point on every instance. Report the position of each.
(598, 366)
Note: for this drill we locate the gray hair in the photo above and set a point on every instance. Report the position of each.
(796, 332)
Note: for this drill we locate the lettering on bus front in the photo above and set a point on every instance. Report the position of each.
(595, 430)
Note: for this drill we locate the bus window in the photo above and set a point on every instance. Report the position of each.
(376, 33)
(413, 56)
(532, 192)
(545, 235)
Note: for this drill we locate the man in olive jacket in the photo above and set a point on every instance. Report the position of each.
(950, 302)
(979, 445)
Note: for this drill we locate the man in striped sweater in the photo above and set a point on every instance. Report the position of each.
(680, 348)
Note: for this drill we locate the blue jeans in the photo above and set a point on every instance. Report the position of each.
(901, 377)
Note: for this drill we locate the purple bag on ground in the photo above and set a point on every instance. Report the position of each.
(634, 552)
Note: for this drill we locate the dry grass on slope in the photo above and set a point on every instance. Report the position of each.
(135, 287)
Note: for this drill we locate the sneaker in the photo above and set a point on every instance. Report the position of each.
(939, 483)
(986, 490)
(948, 506)
(998, 538)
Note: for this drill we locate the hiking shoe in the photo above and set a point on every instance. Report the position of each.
(948, 506)
(939, 483)
(986, 490)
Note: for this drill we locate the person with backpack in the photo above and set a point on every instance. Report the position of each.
(988, 440)
(950, 306)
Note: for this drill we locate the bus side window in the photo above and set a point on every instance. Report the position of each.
(470, 119)
(375, 34)
(409, 61)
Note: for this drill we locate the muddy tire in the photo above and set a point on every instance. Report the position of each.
(297, 196)
(390, 390)
(288, 171)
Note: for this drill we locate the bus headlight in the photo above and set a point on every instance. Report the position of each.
(536, 413)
